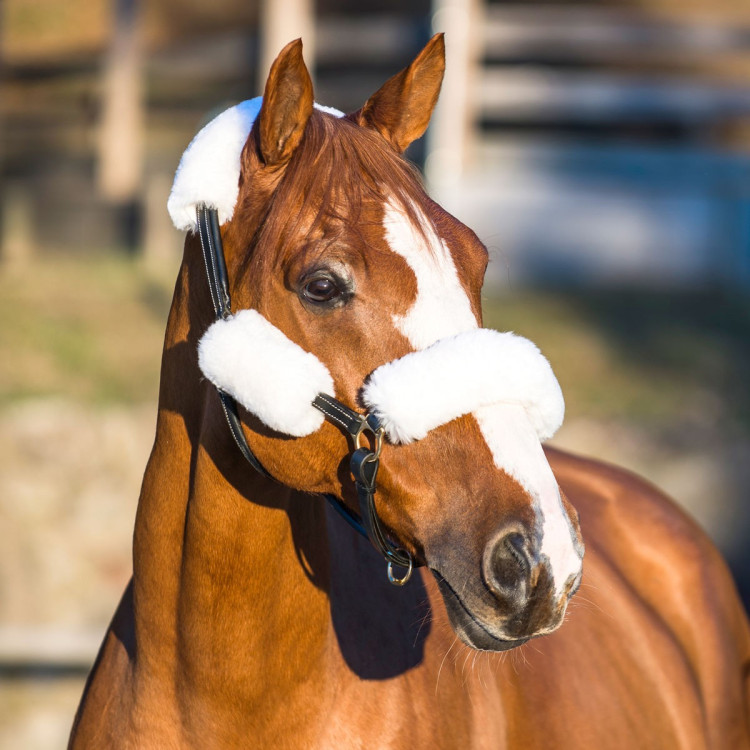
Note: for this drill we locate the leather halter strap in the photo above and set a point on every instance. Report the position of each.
(364, 465)
(218, 285)
(364, 461)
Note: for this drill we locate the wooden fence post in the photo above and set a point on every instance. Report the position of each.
(451, 129)
(281, 21)
(120, 145)
(17, 226)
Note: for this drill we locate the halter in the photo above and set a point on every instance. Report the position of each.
(365, 459)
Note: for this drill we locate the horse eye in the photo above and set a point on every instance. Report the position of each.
(321, 289)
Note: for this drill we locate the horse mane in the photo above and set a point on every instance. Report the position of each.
(338, 167)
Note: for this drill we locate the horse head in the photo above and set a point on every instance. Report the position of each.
(351, 281)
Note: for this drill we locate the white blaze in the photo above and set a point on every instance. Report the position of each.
(442, 309)
(516, 449)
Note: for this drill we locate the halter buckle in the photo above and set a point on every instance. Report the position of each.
(376, 441)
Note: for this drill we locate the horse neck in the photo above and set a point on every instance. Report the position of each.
(221, 554)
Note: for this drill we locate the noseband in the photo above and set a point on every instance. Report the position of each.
(365, 459)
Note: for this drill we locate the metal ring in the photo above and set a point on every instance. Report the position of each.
(377, 434)
(380, 432)
(401, 581)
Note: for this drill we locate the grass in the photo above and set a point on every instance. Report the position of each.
(672, 362)
(89, 329)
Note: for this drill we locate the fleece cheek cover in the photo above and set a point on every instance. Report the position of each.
(271, 376)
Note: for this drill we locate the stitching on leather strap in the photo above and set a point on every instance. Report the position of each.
(218, 307)
(201, 226)
(332, 405)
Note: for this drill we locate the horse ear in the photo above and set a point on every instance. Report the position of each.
(401, 109)
(287, 105)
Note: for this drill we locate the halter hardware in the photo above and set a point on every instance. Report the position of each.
(364, 461)
(377, 438)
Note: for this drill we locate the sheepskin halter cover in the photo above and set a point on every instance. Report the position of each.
(276, 380)
(209, 170)
(411, 396)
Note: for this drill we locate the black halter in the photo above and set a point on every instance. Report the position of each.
(365, 459)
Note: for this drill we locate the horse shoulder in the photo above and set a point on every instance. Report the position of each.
(638, 535)
(120, 711)
(102, 724)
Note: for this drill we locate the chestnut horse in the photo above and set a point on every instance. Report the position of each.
(256, 617)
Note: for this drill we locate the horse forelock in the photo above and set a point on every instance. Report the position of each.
(338, 170)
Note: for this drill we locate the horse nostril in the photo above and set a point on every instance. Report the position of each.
(572, 584)
(508, 567)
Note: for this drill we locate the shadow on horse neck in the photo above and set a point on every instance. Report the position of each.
(380, 630)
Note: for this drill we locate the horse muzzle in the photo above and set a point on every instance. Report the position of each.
(513, 598)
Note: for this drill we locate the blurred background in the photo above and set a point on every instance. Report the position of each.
(600, 149)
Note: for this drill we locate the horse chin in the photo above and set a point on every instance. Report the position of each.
(467, 627)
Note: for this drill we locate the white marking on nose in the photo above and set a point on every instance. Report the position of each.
(516, 449)
(441, 307)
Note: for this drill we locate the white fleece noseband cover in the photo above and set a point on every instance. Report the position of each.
(457, 376)
(276, 380)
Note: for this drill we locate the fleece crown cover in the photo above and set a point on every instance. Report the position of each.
(209, 170)
(252, 360)
(459, 375)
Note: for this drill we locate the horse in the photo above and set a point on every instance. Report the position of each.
(325, 367)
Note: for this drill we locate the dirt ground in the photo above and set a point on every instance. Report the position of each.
(68, 492)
